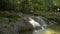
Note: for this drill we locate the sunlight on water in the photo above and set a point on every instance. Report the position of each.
(53, 30)
(49, 31)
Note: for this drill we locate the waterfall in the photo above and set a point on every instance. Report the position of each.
(35, 24)
(40, 21)
(43, 21)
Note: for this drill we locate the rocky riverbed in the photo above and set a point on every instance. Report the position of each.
(22, 25)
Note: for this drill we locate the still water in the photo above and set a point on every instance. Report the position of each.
(55, 29)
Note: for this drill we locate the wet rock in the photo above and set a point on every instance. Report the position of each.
(15, 28)
(23, 24)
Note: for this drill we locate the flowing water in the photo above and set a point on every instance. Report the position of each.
(47, 26)
(55, 29)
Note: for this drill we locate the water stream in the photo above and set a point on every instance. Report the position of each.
(47, 26)
(55, 29)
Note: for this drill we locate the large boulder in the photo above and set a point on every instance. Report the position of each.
(7, 27)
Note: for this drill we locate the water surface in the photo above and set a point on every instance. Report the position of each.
(55, 29)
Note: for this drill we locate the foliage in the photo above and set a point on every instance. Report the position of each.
(10, 8)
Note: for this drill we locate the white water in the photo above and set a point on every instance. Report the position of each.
(43, 23)
(36, 25)
(39, 23)
(33, 22)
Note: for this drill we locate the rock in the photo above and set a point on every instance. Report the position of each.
(15, 28)
(23, 24)
(20, 26)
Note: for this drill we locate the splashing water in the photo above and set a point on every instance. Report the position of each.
(33, 22)
(40, 21)
(36, 25)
